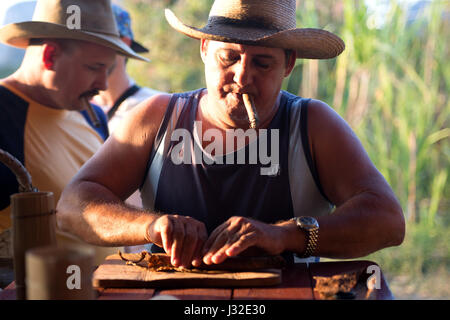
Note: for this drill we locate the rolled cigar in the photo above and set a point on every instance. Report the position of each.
(90, 110)
(251, 110)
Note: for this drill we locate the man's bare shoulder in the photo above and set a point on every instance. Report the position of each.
(324, 122)
(144, 119)
(152, 108)
(319, 110)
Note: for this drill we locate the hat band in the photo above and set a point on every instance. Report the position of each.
(251, 23)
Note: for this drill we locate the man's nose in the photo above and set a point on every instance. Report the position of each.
(243, 72)
(101, 82)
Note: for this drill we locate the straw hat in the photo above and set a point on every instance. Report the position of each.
(50, 20)
(270, 23)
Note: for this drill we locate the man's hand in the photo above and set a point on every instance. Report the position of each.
(181, 237)
(238, 234)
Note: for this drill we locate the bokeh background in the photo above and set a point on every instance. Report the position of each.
(391, 85)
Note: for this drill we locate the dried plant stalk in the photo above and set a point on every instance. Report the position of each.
(22, 175)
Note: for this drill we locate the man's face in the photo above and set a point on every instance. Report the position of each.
(80, 72)
(232, 69)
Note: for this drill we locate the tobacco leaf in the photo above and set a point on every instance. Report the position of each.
(161, 262)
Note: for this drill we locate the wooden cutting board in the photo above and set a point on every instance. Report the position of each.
(115, 273)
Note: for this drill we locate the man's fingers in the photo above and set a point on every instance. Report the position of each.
(189, 243)
(222, 234)
(178, 235)
(222, 241)
(181, 237)
(163, 230)
(185, 239)
(217, 244)
(237, 244)
(202, 237)
(212, 237)
(244, 242)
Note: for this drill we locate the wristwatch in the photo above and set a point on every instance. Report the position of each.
(311, 228)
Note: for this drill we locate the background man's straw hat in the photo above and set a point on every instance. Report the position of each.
(269, 23)
(50, 20)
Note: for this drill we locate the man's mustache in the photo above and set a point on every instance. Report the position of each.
(89, 94)
(238, 90)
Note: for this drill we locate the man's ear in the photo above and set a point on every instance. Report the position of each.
(126, 40)
(291, 63)
(203, 49)
(51, 50)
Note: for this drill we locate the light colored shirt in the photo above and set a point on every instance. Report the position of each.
(55, 144)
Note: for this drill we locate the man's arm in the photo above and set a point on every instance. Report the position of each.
(92, 205)
(367, 218)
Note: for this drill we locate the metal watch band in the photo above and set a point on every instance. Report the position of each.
(312, 236)
(312, 240)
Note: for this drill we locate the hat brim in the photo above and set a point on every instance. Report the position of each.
(309, 43)
(139, 48)
(18, 35)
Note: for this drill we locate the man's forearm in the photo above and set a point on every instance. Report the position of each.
(358, 227)
(105, 220)
(362, 225)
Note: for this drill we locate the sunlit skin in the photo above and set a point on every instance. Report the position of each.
(367, 216)
(118, 81)
(64, 76)
(233, 69)
(81, 74)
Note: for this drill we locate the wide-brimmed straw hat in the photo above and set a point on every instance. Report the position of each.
(270, 23)
(53, 19)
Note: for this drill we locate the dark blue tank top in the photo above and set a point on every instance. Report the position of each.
(212, 193)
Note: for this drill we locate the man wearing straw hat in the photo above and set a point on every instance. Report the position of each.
(46, 120)
(203, 203)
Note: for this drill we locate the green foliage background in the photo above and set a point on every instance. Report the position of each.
(391, 84)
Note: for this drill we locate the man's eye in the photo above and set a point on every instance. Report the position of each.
(262, 64)
(228, 59)
(92, 68)
(111, 70)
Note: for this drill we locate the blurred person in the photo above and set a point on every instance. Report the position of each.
(10, 57)
(123, 93)
(47, 122)
(321, 196)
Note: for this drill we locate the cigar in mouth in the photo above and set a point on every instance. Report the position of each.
(90, 110)
(251, 110)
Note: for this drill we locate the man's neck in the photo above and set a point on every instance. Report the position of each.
(25, 82)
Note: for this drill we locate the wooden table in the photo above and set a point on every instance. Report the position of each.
(297, 284)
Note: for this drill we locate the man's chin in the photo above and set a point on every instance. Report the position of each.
(76, 106)
(238, 114)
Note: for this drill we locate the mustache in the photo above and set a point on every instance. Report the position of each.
(236, 89)
(90, 93)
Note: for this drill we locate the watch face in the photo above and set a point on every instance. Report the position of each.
(309, 222)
